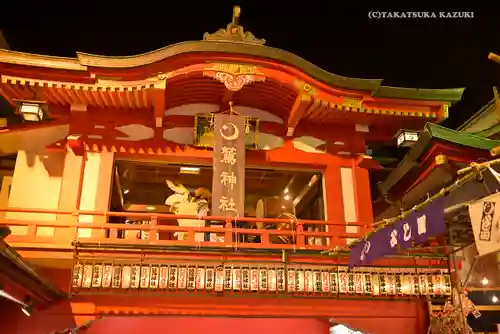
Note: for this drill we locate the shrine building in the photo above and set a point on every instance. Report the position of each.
(431, 164)
(196, 186)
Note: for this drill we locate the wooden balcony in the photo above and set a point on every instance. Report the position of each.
(65, 233)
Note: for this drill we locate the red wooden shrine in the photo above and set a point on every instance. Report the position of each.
(105, 115)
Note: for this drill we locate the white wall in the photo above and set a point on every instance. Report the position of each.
(36, 184)
(96, 188)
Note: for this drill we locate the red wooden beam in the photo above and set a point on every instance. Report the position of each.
(158, 96)
(300, 106)
(234, 304)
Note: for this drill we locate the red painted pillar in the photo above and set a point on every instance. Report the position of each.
(363, 195)
(333, 203)
(422, 315)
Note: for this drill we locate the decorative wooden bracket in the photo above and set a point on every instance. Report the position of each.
(304, 102)
(234, 76)
(367, 162)
(159, 106)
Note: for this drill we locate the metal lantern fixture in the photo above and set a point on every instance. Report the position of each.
(406, 138)
(32, 111)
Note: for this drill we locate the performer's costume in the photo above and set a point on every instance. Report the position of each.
(182, 203)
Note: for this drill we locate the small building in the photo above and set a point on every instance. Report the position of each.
(431, 165)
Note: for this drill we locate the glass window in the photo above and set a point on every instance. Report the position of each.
(268, 192)
(167, 188)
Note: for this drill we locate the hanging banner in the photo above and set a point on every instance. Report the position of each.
(228, 187)
(416, 228)
(240, 278)
(374, 247)
(484, 217)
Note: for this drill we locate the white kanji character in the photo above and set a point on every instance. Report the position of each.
(365, 251)
(227, 205)
(228, 180)
(228, 155)
(407, 232)
(394, 238)
(422, 224)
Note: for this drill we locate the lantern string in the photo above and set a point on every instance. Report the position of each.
(470, 173)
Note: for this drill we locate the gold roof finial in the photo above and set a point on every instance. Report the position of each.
(236, 14)
(234, 32)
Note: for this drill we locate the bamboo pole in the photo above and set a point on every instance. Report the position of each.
(497, 99)
(470, 173)
(494, 57)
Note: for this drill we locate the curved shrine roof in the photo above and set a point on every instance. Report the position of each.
(229, 42)
(228, 65)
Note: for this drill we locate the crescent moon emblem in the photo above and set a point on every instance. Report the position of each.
(235, 135)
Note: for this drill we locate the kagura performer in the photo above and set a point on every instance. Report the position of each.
(186, 202)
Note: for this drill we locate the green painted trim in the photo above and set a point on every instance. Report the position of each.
(450, 95)
(461, 138)
(477, 116)
(489, 132)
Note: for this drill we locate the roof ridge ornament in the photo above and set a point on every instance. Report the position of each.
(234, 32)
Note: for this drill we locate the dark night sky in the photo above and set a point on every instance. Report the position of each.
(433, 53)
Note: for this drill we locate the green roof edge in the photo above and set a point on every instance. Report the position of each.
(452, 95)
(477, 115)
(461, 138)
(263, 51)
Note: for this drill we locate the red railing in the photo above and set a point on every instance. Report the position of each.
(105, 233)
